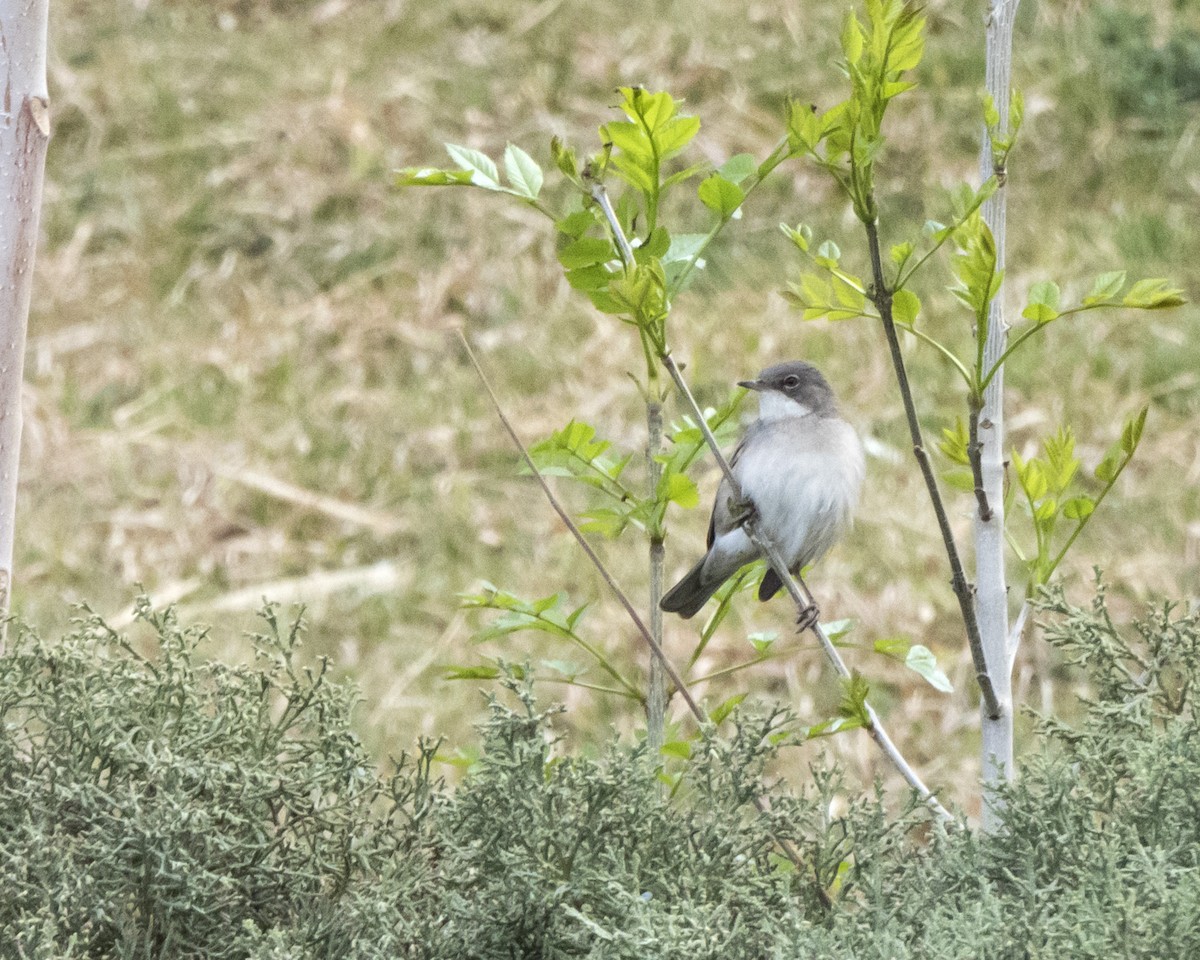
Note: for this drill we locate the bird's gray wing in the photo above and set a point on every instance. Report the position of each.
(721, 521)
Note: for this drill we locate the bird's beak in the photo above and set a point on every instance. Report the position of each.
(752, 384)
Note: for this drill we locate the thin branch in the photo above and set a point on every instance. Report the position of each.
(940, 347)
(1084, 522)
(656, 683)
(657, 650)
(962, 589)
(728, 671)
(600, 195)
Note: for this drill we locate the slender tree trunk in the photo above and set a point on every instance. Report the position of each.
(24, 134)
(991, 582)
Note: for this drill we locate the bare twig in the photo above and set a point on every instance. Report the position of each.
(656, 685)
(620, 594)
(697, 711)
(882, 298)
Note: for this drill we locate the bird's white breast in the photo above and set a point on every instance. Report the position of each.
(803, 474)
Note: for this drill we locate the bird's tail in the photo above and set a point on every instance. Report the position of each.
(691, 593)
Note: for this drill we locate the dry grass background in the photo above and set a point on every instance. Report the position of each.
(240, 379)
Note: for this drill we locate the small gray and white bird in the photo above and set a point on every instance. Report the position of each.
(800, 467)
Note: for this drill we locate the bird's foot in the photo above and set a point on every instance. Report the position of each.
(808, 618)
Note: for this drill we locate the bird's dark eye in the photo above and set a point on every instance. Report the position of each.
(791, 382)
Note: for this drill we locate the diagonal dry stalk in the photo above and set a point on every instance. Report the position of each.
(656, 649)
(622, 597)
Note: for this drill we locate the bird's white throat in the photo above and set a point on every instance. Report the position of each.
(773, 405)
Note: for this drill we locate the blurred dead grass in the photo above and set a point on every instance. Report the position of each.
(240, 381)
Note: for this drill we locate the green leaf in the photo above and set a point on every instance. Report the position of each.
(853, 702)
(762, 642)
(431, 177)
(524, 175)
(1016, 113)
(800, 235)
(849, 294)
(575, 451)
(1043, 302)
(483, 170)
(1131, 435)
(975, 267)
(686, 174)
(738, 167)
(1079, 508)
(675, 134)
(895, 88)
(836, 629)
(721, 712)
(907, 43)
(654, 246)
(1061, 462)
(960, 478)
(895, 647)
(1108, 468)
(684, 247)
(679, 488)
(586, 252)
(1154, 294)
(680, 749)
(954, 443)
(805, 127)
(901, 252)
(1105, 288)
(827, 728)
(1033, 480)
(828, 254)
(991, 116)
(605, 521)
(564, 158)
(545, 615)
(721, 195)
(455, 672)
(576, 224)
(852, 38)
(920, 660)
(906, 307)
(592, 278)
